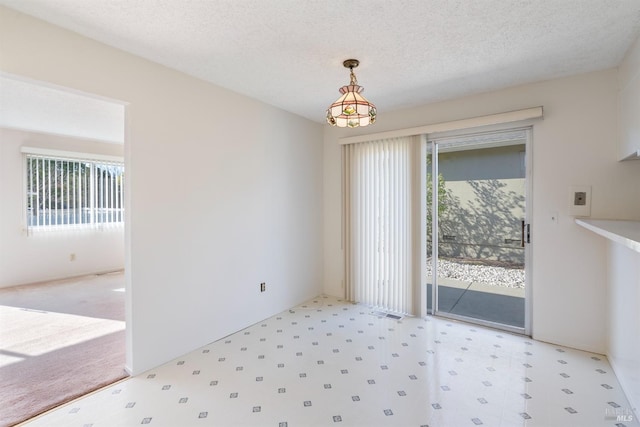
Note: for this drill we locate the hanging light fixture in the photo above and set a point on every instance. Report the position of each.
(351, 109)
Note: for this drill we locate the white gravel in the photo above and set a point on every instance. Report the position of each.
(488, 274)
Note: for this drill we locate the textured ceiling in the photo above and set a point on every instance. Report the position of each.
(289, 53)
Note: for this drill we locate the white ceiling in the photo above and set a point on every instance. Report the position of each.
(37, 108)
(289, 53)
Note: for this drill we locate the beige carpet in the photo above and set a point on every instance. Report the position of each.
(58, 341)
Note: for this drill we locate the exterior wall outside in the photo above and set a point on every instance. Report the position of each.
(46, 255)
(484, 204)
(575, 144)
(242, 203)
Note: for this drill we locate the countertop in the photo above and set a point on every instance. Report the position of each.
(624, 232)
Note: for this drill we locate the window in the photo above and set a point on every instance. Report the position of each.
(70, 192)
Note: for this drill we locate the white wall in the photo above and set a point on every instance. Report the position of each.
(575, 144)
(629, 101)
(623, 281)
(224, 192)
(46, 256)
(623, 346)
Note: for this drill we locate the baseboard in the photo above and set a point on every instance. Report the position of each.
(62, 279)
(625, 388)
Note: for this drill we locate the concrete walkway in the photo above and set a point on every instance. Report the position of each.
(480, 301)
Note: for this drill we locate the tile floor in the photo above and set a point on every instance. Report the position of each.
(331, 363)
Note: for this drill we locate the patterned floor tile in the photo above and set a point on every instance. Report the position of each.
(332, 363)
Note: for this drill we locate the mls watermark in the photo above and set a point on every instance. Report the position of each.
(619, 414)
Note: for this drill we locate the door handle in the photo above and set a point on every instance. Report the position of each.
(525, 236)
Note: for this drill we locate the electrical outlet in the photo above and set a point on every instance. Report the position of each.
(263, 287)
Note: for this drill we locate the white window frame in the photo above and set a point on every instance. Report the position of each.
(105, 193)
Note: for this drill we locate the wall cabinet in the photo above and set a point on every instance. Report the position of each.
(629, 105)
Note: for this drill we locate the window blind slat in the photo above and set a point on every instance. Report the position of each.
(112, 198)
(378, 229)
(65, 192)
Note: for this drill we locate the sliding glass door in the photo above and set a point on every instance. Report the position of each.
(477, 222)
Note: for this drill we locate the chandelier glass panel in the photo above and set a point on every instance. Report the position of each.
(351, 109)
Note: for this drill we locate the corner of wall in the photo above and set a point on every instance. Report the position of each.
(629, 67)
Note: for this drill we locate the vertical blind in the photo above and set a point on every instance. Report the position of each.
(71, 192)
(377, 179)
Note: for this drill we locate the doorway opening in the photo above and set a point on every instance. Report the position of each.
(62, 286)
(477, 228)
